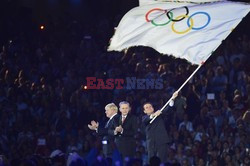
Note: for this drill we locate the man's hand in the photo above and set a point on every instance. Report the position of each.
(93, 125)
(118, 129)
(174, 95)
(157, 113)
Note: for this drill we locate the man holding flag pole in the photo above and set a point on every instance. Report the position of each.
(156, 134)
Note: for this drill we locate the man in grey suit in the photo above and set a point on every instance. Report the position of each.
(156, 134)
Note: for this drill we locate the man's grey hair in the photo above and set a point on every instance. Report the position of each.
(124, 102)
(111, 106)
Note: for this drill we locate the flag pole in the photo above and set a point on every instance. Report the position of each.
(179, 89)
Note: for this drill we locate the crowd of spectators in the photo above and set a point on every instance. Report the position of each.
(45, 109)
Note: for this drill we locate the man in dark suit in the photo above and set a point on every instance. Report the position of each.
(126, 131)
(108, 131)
(156, 134)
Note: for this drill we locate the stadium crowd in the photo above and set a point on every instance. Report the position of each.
(45, 109)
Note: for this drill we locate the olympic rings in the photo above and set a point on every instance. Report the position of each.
(187, 11)
(189, 28)
(208, 21)
(155, 9)
(153, 22)
(169, 14)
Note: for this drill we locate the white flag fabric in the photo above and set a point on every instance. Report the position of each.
(146, 2)
(184, 30)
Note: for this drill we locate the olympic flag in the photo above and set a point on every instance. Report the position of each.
(145, 2)
(183, 30)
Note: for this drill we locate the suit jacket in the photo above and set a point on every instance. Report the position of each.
(108, 135)
(156, 133)
(125, 141)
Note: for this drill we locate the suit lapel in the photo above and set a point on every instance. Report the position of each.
(151, 126)
(108, 123)
(111, 122)
(120, 120)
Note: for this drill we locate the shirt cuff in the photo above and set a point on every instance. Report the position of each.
(151, 117)
(171, 103)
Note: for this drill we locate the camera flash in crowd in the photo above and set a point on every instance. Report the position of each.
(42, 27)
